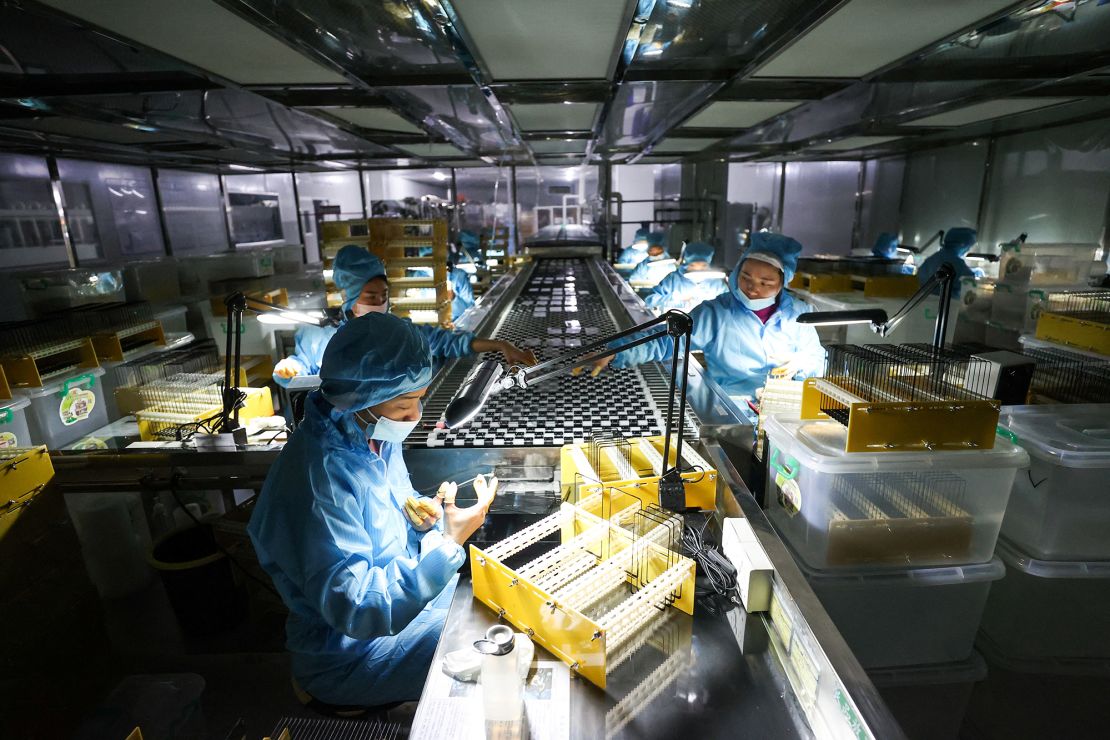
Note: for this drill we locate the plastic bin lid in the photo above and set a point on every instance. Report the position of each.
(14, 404)
(1018, 559)
(169, 310)
(1070, 435)
(1032, 342)
(55, 386)
(944, 575)
(819, 445)
(972, 670)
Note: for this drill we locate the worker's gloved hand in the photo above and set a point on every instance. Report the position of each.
(423, 513)
(285, 369)
(460, 524)
(517, 356)
(596, 369)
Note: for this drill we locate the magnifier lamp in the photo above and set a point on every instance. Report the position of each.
(490, 377)
(877, 318)
(228, 431)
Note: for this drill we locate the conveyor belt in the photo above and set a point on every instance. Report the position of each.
(560, 308)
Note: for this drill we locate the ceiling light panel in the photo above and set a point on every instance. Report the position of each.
(432, 151)
(558, 147)
(866, 35)
(376, 118)
(554, 116)
(738, 113)
(682, 145)
(544, 40)
(987, 110)
(854, 142)
(204, 34)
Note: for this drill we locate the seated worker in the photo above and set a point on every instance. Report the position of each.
(361, 277)
(954, 246)
(460, 289)
(886, 247)
(683, 289)
(750, 330)
(656, 252)
(636, 252)
(366, 567)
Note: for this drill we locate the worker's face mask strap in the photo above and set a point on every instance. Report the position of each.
(384, 429)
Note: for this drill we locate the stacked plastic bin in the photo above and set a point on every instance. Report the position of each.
(899, 548)
(1028, 274)
(1050, 613)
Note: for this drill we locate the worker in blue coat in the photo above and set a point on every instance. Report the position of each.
(886, 247)
(749, 331)
(462, 292)
(685, 288)
(366, 567)
(636, 252)
(954, 246)
(362, 279)
(656, 252)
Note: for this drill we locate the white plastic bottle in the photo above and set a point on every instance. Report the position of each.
(502, 689)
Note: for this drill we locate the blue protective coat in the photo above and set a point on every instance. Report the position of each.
(464, 293)
(886, 246)
(954, 246)
(678, 291)
(353, 268)
(644, 270)
(740, 350)
(636, 252)
(366, 607)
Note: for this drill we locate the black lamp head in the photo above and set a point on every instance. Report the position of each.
(874, 316)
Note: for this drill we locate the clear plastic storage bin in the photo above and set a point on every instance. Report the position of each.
(930, 701)
(173, 318)
(68, 408)
(908, 617)
(880, 510)
(1048, 608)
(1048, 264)
(14, 431)
(1060, 506)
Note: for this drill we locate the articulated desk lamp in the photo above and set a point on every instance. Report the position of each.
(490, 377)
(877, 317)
(228, 430)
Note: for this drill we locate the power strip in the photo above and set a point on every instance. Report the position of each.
(754, 572)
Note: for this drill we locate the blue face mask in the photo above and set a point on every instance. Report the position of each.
(757, 304)
(384, 429)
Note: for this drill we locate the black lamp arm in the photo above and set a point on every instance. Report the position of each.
(236, 304)
(677, 324)
(673, 323)
(944, 274)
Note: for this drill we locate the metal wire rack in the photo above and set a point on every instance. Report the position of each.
(1069, 377)
(900, 397)
(1078, 319)
(200, 356)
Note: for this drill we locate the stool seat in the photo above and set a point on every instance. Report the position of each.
(342, 711)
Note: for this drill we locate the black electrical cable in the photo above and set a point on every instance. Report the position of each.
(715, 583)
(234, 561)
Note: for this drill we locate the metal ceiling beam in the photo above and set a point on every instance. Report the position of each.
(51, 85)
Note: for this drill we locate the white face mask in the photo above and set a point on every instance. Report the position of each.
(384, 429)
(756, 304)
(361, 309)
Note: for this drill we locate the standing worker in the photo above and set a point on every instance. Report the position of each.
(361, 277)
(684, 288)
(749, 331)
(462, 292)
(954, 246)
(366, 567)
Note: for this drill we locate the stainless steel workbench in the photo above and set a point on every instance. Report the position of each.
(784, 674)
